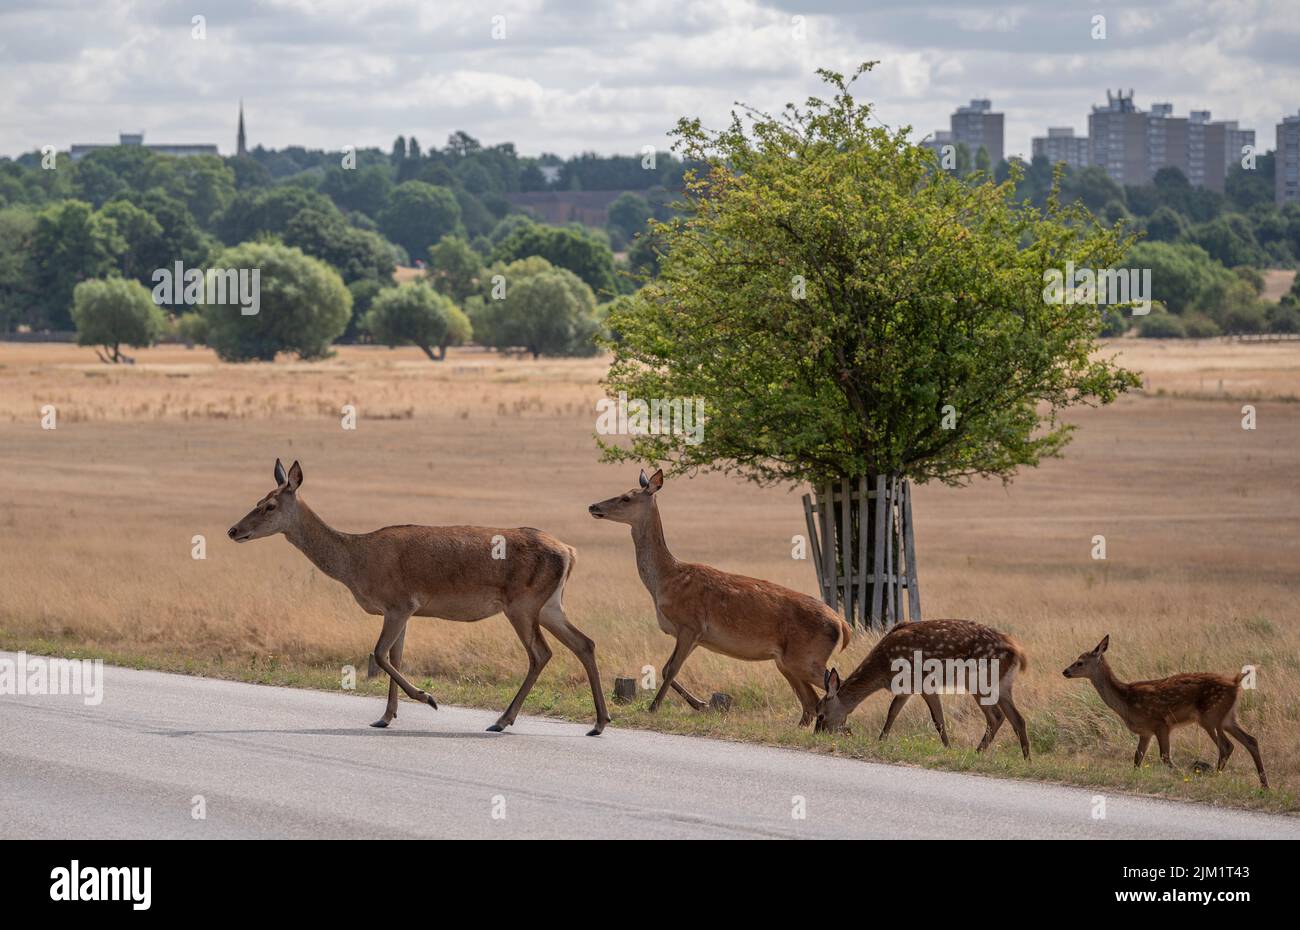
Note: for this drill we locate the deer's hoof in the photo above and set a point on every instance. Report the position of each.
(380, 724)
(428, 698)
(496, 728)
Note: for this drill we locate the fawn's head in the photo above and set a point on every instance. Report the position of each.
(831, 711)
(274, 513)
(632, 506)
(1087, 663)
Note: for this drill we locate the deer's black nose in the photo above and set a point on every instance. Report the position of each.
(593, 508)
(231, 532)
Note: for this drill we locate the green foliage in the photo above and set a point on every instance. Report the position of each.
(455, 269)
(1161, 326)
(267, 210)
(416, 314)
(70, 243)
(1180, 272)
(17, 267)
(192, 327)
(418, 215)
(365, 190)
(1165, 225)
(565, 247)
(545, 310)
(628, 215)
(145, 248)
(1229, 240)
(829, 294)
(1200, 326)
(304, 306)
(115, 312)
(354, 253)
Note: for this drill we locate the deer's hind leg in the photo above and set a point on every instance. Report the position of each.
(1221, 742)
(553, 619)
(993, 718)
(395, 654)
(525, 622)
(1231, 726)
(936, 715)
(803, 691)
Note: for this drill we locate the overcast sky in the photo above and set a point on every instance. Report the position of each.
(611, 75)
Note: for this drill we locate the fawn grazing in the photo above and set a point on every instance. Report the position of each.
(745, 618)
(436, 571)
(1153, 708)
(893, 664)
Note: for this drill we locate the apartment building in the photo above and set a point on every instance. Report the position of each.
(1286, 165)
(1061, 144)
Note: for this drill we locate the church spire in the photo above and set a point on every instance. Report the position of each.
(241, 148)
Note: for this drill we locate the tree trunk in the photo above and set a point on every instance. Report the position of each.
(427, 351)
(863, 548)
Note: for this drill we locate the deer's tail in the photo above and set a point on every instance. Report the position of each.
(1019, 659)
(846, 633)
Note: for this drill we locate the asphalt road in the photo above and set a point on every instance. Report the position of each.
(280, 762)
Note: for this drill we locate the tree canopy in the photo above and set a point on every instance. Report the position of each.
(845, 308)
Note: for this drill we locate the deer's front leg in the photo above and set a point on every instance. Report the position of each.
(686, 641)
(394, 628)
(390, 712)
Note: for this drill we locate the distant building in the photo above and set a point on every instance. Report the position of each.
(1213, 148)
(1061, 144)
(1286, 164)
(977, 127)
(137, 139)
(937, 142)
(1117, 139)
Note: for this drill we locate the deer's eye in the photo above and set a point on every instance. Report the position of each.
(626, 498)
(270, 507)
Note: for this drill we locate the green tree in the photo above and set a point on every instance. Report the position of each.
(1179, 271)
(565, 247)
(354, 253)
(847, 311)
(303, 306)
(455, 269)
(365, 190)
(414, 313)
(145, 248)
(542, 309)
(628, 215)
(418, 215)
(115, 312)
(71, 243)
(1165, 225)
(17, 267)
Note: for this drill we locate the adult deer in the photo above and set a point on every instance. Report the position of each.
(745, 618)
(893, 664)
(1153, 708)
(450, 572)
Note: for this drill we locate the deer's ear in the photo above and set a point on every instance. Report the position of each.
(832, 682)
(295, 476)
(645, 482)
(1101, 646)
(656, 480)
(279, 473)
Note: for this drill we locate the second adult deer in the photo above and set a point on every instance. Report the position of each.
(745, 618)
(898, 652)
(1154, 708)
(461, 573)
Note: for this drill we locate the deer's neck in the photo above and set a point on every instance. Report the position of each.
(1113, 691)
(866, 680)
(325, 546)
(653, 560)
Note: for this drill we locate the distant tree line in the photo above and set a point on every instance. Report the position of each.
(125, 213)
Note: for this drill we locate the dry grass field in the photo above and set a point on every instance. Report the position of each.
(1199, 515)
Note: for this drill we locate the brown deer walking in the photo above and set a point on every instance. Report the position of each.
(436, 571)
(745, 618)
(1153, 708)
(898, 654)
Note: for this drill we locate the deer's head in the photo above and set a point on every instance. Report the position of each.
(831, 711)
(632, 506)
(1089, 662)
(276, 512)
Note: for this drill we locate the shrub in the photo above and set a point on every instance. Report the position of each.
(1162, 326)
(115, 312)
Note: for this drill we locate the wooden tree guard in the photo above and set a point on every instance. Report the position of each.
(851, 528)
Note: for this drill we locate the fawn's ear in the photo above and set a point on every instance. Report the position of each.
(1101, 646)
(279, 474)
(295, 476)
(656, 480)
(832, 681)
